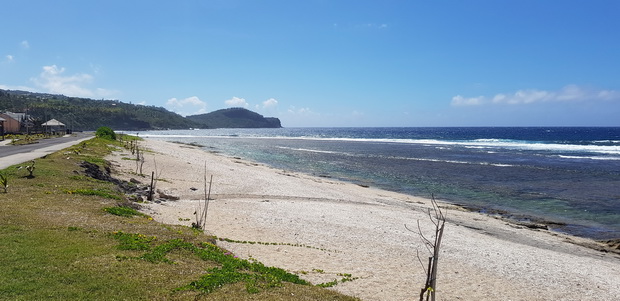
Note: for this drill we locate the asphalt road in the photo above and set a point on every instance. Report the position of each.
(16, 154)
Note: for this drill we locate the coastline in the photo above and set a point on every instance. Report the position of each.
(349, 229)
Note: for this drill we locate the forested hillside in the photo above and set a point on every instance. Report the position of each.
(89, 114)
(84, 114)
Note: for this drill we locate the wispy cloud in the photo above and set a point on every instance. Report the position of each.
(187, 106)
(236, 102)
(470, 101)
(359, 26)
(53, 80)
(528, 96)
(375, 25)
(8, 59)
(300, 111)
(24, 44)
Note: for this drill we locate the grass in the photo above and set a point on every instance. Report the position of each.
(64, 236)
(123, 211)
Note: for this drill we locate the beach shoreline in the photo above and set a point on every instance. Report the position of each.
(322, 229)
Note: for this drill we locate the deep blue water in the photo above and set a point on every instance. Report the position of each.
(569, 176)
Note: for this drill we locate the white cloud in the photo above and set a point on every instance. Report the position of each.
(187, 106)
(25, 44)
(9, 58)
(53, 80)
(269, 103)
(236, 102)
(528, 96)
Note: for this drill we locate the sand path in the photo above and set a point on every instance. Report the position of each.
(342, 228)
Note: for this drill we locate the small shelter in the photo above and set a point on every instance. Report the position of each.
(55, 127)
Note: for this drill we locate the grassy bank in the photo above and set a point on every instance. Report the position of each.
(64, 236)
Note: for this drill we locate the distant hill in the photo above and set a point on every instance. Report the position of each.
(85, 114)
(235, 118)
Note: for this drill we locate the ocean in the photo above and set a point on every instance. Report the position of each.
(566, 177)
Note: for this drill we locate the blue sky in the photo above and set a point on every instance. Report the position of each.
(328, 63)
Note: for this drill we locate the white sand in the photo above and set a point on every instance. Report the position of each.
(361, 231)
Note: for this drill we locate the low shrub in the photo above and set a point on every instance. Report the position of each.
(105, 133)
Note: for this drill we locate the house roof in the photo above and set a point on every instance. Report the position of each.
(53, 122)
(17, 116)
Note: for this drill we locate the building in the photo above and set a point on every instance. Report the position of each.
(54, 127)
(12, 122)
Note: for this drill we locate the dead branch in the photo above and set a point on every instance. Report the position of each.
(438, 219)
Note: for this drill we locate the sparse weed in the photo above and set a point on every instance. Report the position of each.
(273, 244)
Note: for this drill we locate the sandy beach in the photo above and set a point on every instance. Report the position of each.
(321, 228)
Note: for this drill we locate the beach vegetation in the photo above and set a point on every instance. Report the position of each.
(273, 244)
(345, 278)
(66, 246)
(105, 132)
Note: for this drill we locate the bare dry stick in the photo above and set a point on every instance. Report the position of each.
(152, 187)
(432, 246)
(207, 200)
(137, 159)
(154, 177)
(141, 159)
(203, 217)
(201, 213)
